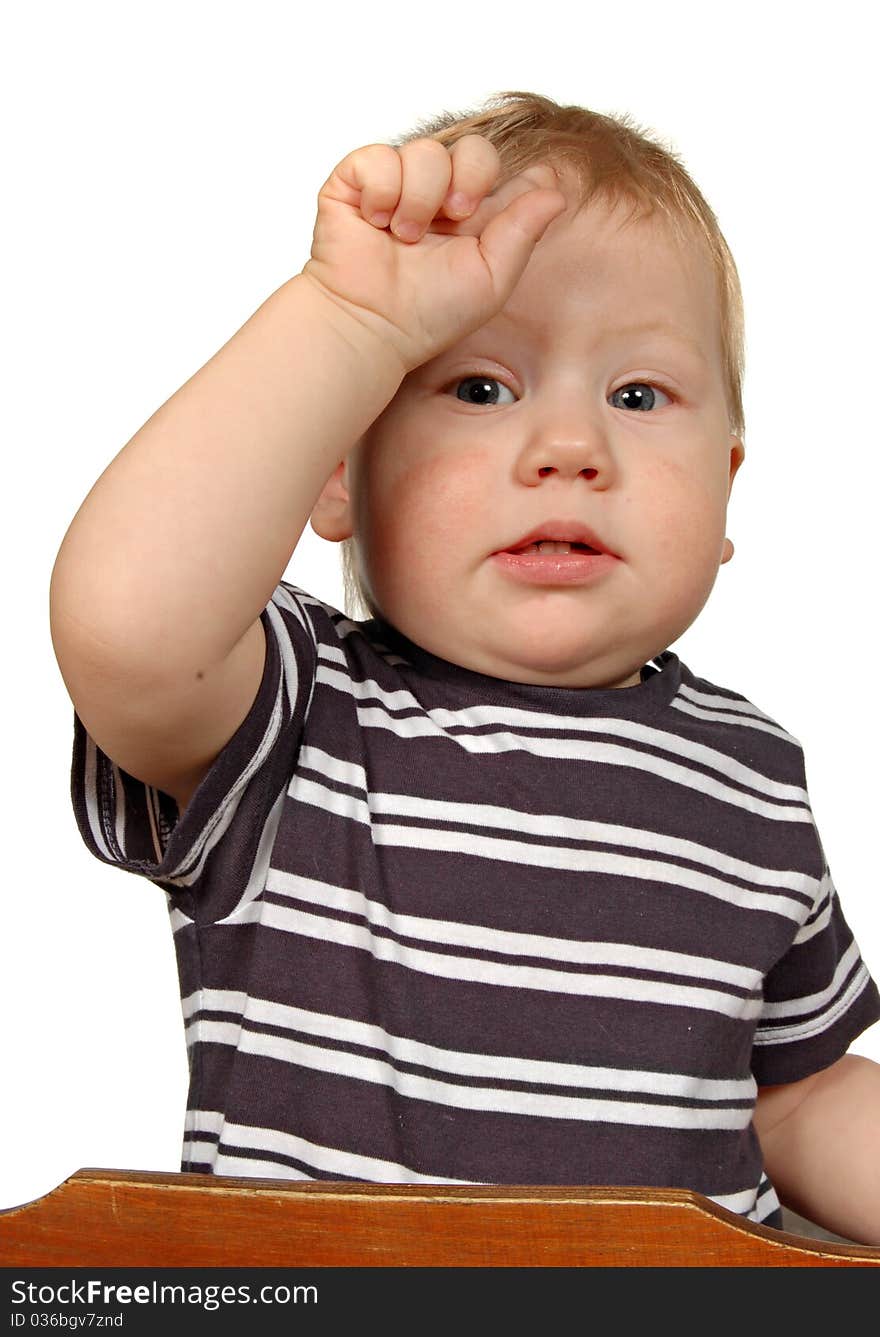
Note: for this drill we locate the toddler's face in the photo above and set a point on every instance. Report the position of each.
(595, 396)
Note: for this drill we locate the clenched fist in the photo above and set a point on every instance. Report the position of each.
(416, 244)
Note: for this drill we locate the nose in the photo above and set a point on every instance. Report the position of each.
(571, 441)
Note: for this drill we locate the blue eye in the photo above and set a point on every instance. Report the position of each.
(637, 396)
(482, 390)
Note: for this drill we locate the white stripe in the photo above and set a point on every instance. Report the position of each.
(216, 825)
(332, 654)
(525, 854)
(254, 1168)
(294, 601)
(289, 672)
(340, 623)
(338, 769)
(204, 1153)
(754, 1204)
(220, 820)
(484, 938)
(744, 717)
(119, 812)
(248, 1167)
(806, 1030)
(739, 706)
(158, 824)
(606, 754)
(743, 1202)
(178, 919)
(718, 717)
(442, 966)
(767, 1205)
(552, 825)
(450, 1094)
(90, 795)
(808, 930)
(587, 861)
(489, 1067)
(203, 1121)
(437, 721)
(515, 820)
(330, 1160)
(260, 870)
(190, 1005)
(793, 1007)
(352, 1165)
(225, 813)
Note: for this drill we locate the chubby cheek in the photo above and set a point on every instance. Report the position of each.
(685, 528)
(424, 517)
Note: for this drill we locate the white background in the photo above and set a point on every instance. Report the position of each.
(160, 167)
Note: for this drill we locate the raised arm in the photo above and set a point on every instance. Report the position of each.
(160, 581)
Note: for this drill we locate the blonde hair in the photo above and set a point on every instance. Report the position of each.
(614, 160)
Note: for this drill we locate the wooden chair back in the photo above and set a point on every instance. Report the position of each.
(120, 1218)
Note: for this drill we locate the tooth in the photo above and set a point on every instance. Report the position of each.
(546, 546)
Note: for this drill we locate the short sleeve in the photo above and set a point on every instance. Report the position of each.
(138, 828)
(819, 997)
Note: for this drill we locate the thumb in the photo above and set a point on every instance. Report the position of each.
(507, 241)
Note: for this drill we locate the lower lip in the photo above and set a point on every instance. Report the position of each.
(538, 568)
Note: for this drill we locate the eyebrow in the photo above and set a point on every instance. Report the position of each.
(668, 330)
(657, 327)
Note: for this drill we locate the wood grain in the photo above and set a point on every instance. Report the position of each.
(121, 1218)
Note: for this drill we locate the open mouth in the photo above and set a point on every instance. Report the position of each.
(552, 546)
(555, 562)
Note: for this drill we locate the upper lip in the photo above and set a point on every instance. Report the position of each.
(562, 531)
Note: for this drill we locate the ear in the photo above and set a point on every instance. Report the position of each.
(737, 455)
(332, 516)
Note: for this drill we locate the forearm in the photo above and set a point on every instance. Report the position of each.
(824, 1156)
(178, 546)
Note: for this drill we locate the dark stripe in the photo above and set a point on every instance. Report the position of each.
(480, 1082)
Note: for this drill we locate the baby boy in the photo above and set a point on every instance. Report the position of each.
(487, 887)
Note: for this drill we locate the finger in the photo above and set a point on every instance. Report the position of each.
(427, 169)
(538, 176)
(476, 166)
(369, 178)
(509, 238)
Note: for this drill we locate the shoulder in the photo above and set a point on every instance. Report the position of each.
(338, 640)
(705, 699)
(323, 624)
(726, 719)
(306, 607)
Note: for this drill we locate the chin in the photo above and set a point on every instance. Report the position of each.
(555, 643)
(547, 662)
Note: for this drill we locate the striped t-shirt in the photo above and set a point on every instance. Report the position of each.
(434, 926)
